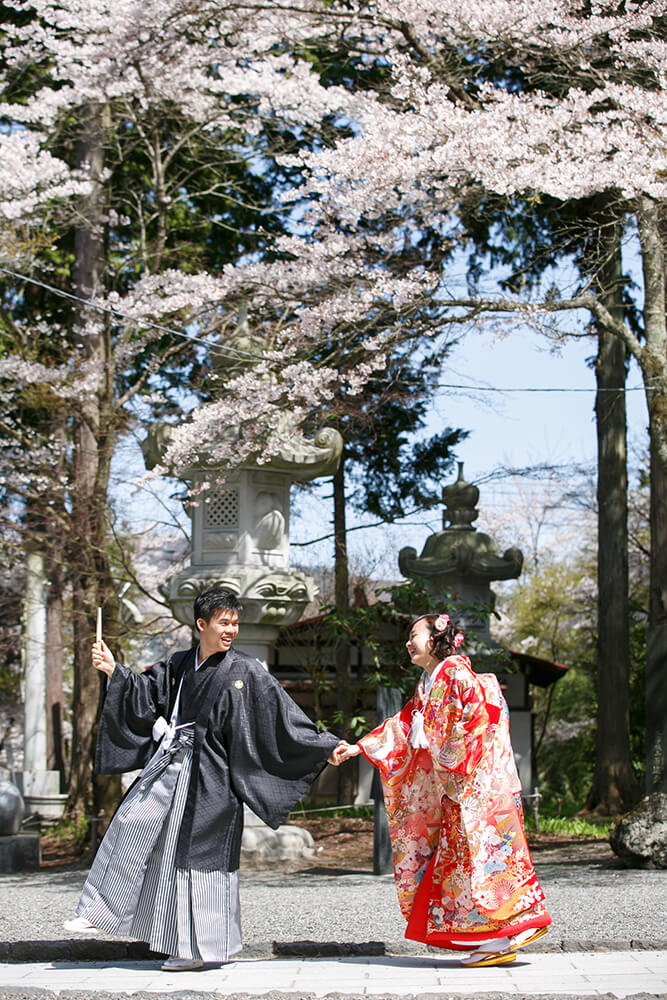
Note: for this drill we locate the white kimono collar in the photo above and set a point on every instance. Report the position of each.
(417, 736)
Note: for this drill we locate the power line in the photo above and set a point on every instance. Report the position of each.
(498, 388)
(109, 310)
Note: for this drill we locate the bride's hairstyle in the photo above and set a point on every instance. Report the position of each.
(446, 634)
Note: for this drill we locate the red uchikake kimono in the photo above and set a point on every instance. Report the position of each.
(462, 866)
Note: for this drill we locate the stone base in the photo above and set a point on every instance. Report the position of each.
(41, 794)
(49, 808)
(261, 845)
(640, 837)
(20, 852)
(38, 783)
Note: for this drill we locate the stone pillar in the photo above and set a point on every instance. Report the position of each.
(34, 753)
(258, 641)
(40, 787)
(389, 702)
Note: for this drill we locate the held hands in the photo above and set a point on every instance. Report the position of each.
(103, 659)
(344, 751)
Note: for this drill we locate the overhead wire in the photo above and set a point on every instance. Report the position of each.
(109, 310)
(499, 388)
(192, 338)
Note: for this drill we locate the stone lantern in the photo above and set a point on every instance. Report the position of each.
(462, 561)
(240, 537)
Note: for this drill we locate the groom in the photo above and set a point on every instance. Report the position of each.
(212, 730)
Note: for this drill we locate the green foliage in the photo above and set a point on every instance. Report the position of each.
(379, 630)
(565, 769)
(11, 594)
(75, 828)
(10, 682)
(571, 826)
(393, 472)
(553, 615)
(552, 610)
(357, 725)
(374, 629)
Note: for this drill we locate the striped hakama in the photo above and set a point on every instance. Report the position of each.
(134, 887)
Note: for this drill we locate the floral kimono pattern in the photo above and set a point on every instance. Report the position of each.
(462, 866)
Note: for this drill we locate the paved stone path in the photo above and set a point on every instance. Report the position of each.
(581, 974)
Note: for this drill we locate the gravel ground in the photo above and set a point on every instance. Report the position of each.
(594, 905)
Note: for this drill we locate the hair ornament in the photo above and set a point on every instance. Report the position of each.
(441, 623)
(457, 640)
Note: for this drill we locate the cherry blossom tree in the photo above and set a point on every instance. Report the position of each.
(438, 129)
(556, 100)
(133, 154)
(519, 102)
(564, 101)
(432, 105)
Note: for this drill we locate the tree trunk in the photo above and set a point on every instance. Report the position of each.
(86, 553)
(652, 230)
(341, 571)
(656, 645)
(614, 786)
(651, 225)
(344, 701)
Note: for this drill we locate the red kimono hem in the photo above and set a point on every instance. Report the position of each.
(418, 922)
(442, 939)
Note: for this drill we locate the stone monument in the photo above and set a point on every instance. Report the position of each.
(19, 849)
(462, 561)
(640, 837)
(39, 785)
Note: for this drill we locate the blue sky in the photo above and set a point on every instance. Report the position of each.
(510, 429)
(519, 428)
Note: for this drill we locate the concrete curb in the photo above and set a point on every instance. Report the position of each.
(91, 950)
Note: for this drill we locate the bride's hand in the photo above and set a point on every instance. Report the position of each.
(344, 751)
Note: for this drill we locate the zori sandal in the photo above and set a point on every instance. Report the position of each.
(523, 938)
(80, 926)
(479, 958)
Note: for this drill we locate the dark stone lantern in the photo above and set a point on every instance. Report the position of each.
(461, 561)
